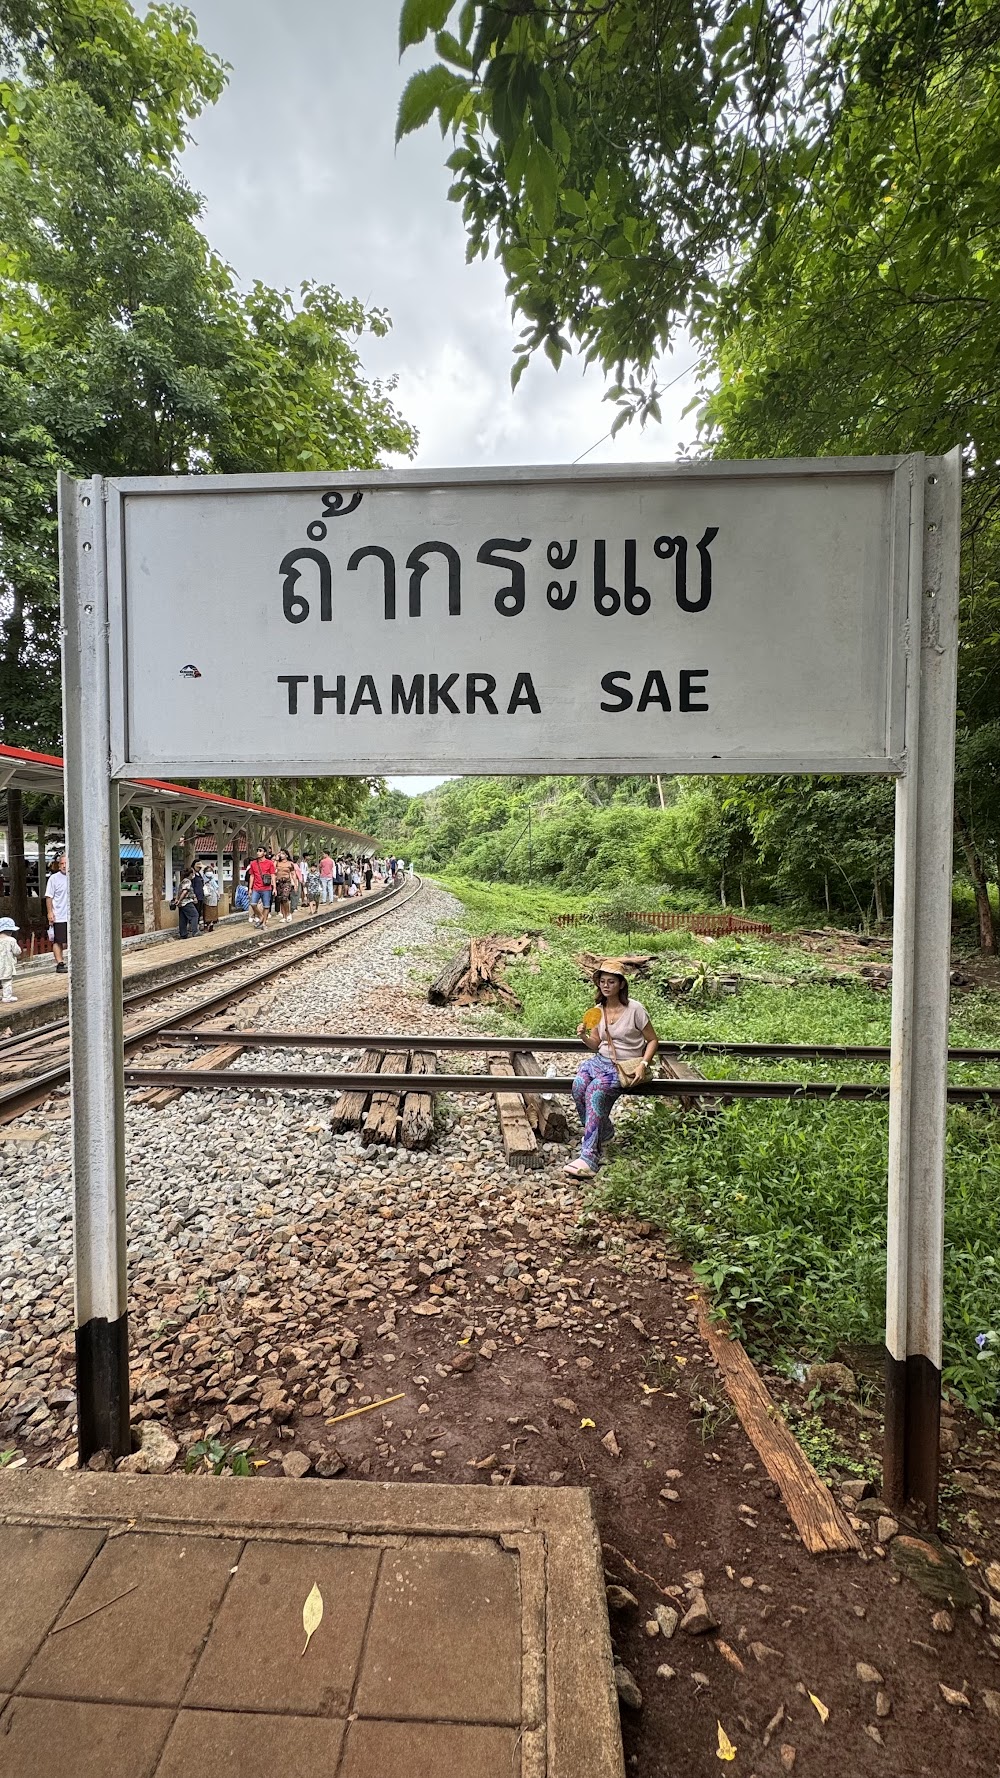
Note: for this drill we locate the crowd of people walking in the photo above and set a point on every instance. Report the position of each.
(278, 883)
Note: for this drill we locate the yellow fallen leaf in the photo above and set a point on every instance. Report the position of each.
(725, 1749)
(312, 1614)
(646, 1390)
(465, 1342)
(586, 1423)
(260, 1462)
(678, 1359)
(822, 1710)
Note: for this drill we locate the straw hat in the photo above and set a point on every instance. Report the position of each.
(610, 966)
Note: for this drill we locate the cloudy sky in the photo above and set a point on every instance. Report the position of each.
(301, 180)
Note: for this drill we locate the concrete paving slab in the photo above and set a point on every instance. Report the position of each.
(132, 1631)
(228, 1744)
(46, 1738)
(254, 1657)
(445, 1636)
(431, 1750)
(40, 1569)
(487, 1625)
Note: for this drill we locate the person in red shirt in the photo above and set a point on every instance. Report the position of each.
(261, 875)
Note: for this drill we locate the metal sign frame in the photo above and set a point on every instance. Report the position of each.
(921, 702)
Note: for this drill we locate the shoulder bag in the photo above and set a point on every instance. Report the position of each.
(627, 1071)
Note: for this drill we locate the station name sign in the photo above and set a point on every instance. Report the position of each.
(720, 617)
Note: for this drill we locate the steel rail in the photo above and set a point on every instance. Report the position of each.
(31, 1092)
(554, 1045)
(253, 947)
(342, 1080)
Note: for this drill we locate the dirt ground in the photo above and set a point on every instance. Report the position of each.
(788, 1624)
(485, 1405)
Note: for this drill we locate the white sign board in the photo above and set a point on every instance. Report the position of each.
(729, 617)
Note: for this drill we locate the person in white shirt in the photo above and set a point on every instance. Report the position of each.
(211, 893)
(57, 907)
(10, 951)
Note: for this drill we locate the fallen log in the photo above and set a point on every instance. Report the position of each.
(546, 1116)
(486, 959)
(475, 973)
(416, 1126)
(445, 985)
(519, 1140)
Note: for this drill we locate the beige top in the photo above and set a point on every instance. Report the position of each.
(626, 1030)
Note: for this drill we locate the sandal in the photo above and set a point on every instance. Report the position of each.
(579, 1169)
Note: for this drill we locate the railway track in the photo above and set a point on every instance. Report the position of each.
(36, 1064)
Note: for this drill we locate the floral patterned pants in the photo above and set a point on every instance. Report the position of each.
(595, 1090)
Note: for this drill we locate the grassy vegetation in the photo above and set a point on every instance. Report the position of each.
(781, 1206)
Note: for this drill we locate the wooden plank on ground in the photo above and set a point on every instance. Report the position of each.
(349, 1109)
(674, 1069)
(22, 1067)
(383, 1113)
(815, 1514)
(546, 1116)
(215, 1058)
(416, 1126)
(519, 1140)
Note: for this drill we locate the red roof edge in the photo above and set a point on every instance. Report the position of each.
(29, 757)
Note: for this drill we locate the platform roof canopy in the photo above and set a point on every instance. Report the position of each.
(178, 808)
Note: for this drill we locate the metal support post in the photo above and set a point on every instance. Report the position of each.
(920, 995)
(95, 1000)
(168, 855)
(220, 861)
(148, 898)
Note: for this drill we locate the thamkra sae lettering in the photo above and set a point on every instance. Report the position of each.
(473, 694)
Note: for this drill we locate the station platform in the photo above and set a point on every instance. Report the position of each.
(151, 960)
(154, 1628)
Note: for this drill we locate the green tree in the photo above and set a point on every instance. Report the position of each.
(350, 802)
(126, 344)
(609, 153)
(619, 156)
(871, 323)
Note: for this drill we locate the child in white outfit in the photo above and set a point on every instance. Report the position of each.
(10, 951)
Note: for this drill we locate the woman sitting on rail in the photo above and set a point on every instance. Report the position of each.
(619, 1031)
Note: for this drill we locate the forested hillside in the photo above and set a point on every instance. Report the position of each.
(804, 843)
